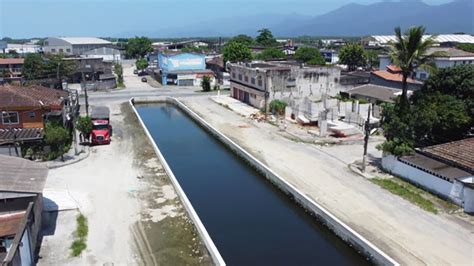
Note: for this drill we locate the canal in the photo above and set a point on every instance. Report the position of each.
(249, 219)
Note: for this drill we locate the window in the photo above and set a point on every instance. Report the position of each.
(260, 82)
(422, 76)
(252, 80)
(233, 75)
(32, 114)
(53, 50)
(61, 50)
(10, 118)
(240, 76)
(68, 50)
(246, 79)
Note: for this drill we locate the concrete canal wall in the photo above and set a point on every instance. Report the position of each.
(337, 226)
(211, 247)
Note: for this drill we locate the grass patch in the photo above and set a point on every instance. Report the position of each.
(82, 230)
(406, 193)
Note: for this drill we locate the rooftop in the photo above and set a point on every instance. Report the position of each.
(21, 175)
(442, 38)
(84, 40)
(393, 76)
(13, 61)
(10, 222)
(450, 52)
(381, 93)
(20, 134)
(31, 96)
(456, 153)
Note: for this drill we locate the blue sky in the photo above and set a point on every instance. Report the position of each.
(41, 18)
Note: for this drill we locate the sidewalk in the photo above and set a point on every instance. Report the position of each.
(70, 157)
(407, 233)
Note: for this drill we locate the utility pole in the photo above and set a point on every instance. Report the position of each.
(85, 93)
(366, 139)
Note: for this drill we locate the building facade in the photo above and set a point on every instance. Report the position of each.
(11, 67)
(183, 69)
(258, 83)
(108, 54)
(73, 45)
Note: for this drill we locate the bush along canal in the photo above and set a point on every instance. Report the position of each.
(250, 220)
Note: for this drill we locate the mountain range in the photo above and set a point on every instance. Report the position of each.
(349, 20)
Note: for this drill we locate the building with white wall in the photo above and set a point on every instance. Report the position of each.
(22, 49)
(73, 45)
(441, 39)
(450, 57)
(258, 83)
(445, 169)
(108, 54)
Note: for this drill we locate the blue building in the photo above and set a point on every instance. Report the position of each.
(183, 69)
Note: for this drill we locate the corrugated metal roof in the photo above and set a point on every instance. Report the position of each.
(84, 40)
(21, 175)
(458, 38)
(20, 134)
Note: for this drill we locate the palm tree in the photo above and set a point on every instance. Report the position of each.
(409, 52)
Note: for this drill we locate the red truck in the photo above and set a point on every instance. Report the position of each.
(101, 130)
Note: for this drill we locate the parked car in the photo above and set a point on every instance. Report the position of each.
(135, 71)
(144, 79)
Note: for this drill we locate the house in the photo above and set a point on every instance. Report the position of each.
(11, 68)
(217, 65)
(75, 46)
(23, 114)
(354, 78)
(183, 69)
(89, 68)
(442, 39)
(375, 93)
(257, 83)
(449, 57)
(21, 204)
(331, 56)
(392, 77)
(444, 169)
(108, 54)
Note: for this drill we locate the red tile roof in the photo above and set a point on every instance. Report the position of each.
(457, 153)
(31, 96)
(387, 75)
(394, 69)
(14, 61)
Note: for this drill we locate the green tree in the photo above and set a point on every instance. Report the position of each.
(58, 138)
(118, 69)
(243, 39)
(309, 55)
(84, 125)
(33, 66)
(353, 55)
(271, 53)
(138, 47)
(236, 52)
(410, 52)
(441, 111)
(265, 38)
(56, 67)
(206, 83)
(372, 59)
(141, 64)
(468, 47)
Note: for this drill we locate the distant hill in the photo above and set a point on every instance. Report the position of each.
(381, 18)
(349, 20)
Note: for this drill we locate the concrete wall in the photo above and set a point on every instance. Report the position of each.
(430, 182)
(336, 225)
(211, 247)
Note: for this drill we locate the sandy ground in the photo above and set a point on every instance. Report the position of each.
(407, 233)
(134, 214)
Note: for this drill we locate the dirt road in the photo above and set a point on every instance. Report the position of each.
(407, 233)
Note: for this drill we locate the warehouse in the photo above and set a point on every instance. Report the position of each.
(183, 69)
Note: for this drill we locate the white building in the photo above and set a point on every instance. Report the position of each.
(445, 169)
(73, 45)
(22, 49)
(451, 57)
(257, 83)
(108, 54)
(384, 40)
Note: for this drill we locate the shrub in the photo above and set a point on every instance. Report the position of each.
(278, 106)
(206, 83)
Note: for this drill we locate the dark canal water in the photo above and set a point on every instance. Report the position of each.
(250, 221)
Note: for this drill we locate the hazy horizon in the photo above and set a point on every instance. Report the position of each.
(106, 18)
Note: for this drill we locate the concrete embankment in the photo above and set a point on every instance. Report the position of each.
(336, 225)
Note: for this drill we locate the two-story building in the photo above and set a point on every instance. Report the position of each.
(11, 67)
(73, 45)
(258, 83)
(183, 69)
